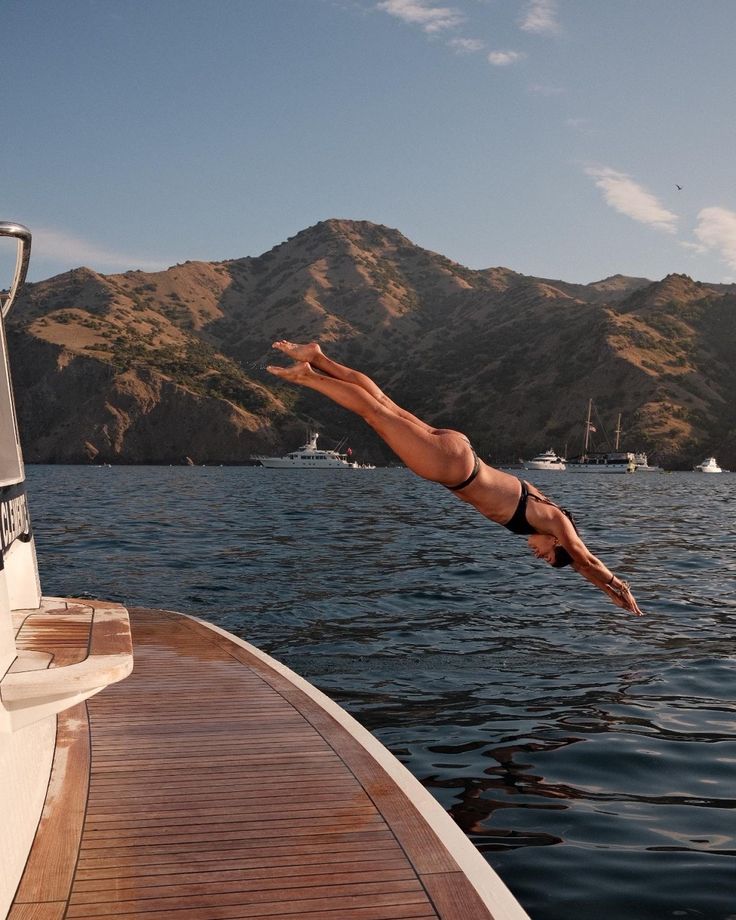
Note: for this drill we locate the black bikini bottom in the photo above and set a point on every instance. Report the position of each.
(466, 482)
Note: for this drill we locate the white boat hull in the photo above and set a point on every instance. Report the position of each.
(282, 463)
(309, 457)
(642, 464)
(709, 465)
(599, 468)
(546, 460)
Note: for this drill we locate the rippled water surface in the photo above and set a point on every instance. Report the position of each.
(589, 754)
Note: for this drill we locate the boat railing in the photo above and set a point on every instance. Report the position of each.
(23, 237)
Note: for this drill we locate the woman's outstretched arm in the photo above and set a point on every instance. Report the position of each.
(593, 569)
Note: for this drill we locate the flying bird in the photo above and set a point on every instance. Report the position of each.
(678, 187)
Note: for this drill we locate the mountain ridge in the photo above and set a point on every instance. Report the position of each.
(156, 366)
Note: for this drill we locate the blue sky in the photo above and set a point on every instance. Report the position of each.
(546, 136)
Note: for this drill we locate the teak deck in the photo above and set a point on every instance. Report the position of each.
(210, 786)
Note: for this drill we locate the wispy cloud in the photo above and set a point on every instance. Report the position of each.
(466, 45)
(545, 89)
(627, 197)
(694, 247)
(541, 17)
(505, 58)
(716, 230)
(421, 13)
(59, 246)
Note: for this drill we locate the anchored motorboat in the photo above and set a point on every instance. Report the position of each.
(547, 460)
(311, 457)
(642, 464)
(709, 465)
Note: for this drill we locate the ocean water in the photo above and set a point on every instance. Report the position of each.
(589, 754)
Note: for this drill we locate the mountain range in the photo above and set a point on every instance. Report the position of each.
(156, 367)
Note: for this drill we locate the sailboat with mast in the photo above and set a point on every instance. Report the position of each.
(615, 461)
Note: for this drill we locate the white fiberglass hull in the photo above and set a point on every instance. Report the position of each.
(310, 457)
(598, 468)
(282, 463)
(540, 465)
(709, 465)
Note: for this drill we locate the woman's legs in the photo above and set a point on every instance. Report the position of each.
(439, 455)
(313, 354)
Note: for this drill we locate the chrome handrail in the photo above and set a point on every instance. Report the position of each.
(23, 236)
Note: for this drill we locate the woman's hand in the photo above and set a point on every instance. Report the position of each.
(621, 595)
(590, 566)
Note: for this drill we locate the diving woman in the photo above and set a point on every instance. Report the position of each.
(445, 456)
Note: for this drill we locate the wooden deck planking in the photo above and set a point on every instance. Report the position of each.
(57, 631)
(308, 865)
(251, 849)
(199, 894)
(157, 743)
(48, 910)
(340, 900)
(419, 841)
(217, 789)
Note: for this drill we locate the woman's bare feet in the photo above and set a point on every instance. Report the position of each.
(307, 352)
(296, 373)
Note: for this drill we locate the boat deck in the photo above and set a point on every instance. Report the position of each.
(213, 783)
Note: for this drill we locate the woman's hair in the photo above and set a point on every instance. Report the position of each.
(562, 557)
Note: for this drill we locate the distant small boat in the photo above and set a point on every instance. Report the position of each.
(310, 457)
(642, 464)
(547, 460)
(708, 465)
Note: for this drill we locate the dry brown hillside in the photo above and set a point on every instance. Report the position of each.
(155, 367)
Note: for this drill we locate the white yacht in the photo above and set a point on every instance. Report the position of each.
(547, 460)
(310, 457)
(709, 465)
(642, 464)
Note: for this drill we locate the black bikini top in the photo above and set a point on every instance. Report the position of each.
(518, 522)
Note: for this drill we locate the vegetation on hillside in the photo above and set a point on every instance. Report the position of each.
(509, 358)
